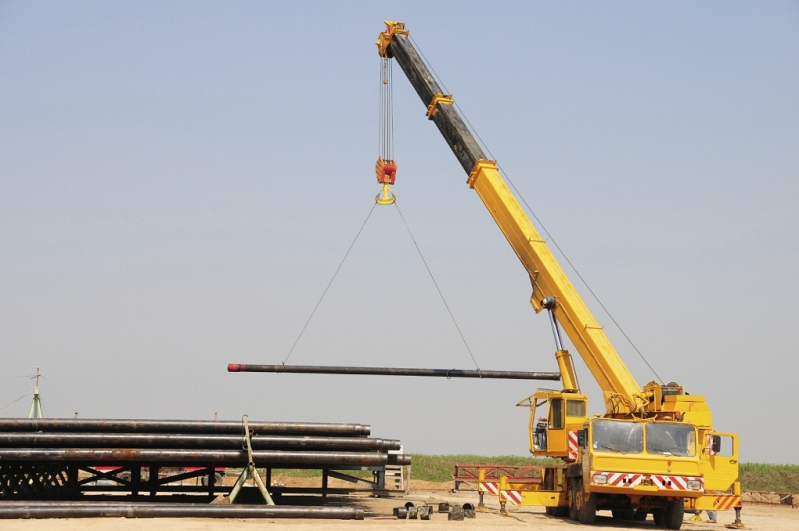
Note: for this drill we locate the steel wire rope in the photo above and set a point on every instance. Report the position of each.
(386, 120)
(380, 110)
(329, 283)
(529, 209)
(440, 293)
(15, 401)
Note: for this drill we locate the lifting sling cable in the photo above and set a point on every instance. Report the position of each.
(440, 293)
(386, 168)
(532, 213)
(329, 284)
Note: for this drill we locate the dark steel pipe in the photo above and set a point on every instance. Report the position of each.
(184, 426)
(171, 510)
(262, 458)
(392, 371)
(151, 440)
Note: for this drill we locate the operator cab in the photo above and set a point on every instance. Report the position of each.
(555, 419)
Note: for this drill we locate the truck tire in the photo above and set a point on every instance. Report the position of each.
(674, 515)
(585, 504)
(217, 479)
(573, 514)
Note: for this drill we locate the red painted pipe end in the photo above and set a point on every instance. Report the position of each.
(234, 367)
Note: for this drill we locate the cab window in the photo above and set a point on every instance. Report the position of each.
(556, 414)
(670, 439)
(575, 408)
(617, 436)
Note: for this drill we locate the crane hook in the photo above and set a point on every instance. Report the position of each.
(386, 172)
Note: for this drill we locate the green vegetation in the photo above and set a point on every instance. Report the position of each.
(439, 468)
(770, 478)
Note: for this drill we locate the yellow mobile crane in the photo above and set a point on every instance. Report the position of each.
(655, 450)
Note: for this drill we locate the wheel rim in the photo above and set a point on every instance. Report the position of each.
(579, 500)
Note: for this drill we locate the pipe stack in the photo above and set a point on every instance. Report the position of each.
(53, 450)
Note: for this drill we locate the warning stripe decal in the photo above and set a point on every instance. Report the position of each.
(621, 479)
(675, 482)
(512, 496)
(572, 446)
(724, 502)
(491, 488)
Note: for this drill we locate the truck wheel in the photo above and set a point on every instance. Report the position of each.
(217, 479)
(573, 513)
(585, 504)
(674, 515)
(659, 515)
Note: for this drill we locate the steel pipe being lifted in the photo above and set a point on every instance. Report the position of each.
(184, 426)
(161, 440)
(29, 510)
(393, 371)
(218, 457)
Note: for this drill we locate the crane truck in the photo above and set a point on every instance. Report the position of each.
(654, 451)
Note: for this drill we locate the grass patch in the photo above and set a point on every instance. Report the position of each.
(770, 478)
(439, 468)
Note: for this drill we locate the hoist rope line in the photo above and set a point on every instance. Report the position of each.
(555, 243)
(15, 401)
(565, 257)
(329, 284)
(386, 119)
(440, 293)
(380, 112)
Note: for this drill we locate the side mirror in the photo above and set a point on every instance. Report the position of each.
(582, 438)
(716, 444)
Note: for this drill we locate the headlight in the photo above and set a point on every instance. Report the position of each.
(599, 479)
(694, 485)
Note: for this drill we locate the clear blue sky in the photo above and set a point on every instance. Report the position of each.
(179, 181)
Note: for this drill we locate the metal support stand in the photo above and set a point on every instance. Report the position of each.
(481, 477)
(250, 472)
(737, 524)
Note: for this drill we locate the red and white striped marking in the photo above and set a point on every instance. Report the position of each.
(726, 501)
(573, 448)
(491, 488)
(619, 479)
(512, 496)
(675, 482)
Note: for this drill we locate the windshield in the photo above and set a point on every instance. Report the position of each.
(670, 439)
(616, 436)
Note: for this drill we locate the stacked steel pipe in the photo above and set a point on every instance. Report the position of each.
(51, 451)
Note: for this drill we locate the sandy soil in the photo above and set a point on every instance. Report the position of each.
(379, 517)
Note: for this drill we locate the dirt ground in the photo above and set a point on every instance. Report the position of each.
(379, 517)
